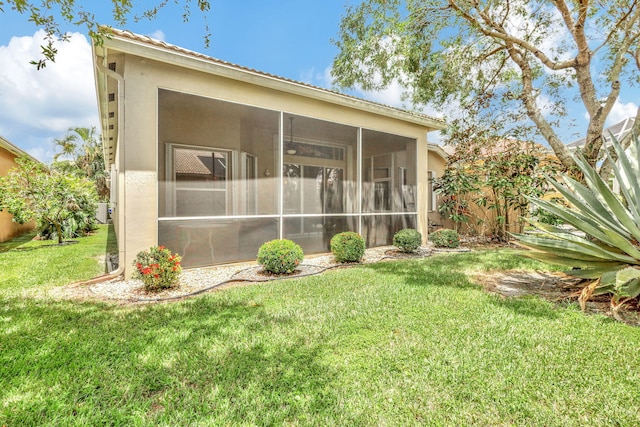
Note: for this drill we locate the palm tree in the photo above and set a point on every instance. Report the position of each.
(85, 152)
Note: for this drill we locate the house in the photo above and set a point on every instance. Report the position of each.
(8, 154)
(438, 158)
(619, 130)
(211, 159)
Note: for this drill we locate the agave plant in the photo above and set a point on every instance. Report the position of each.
(608, 250)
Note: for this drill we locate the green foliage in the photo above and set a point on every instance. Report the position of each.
(158, 268)
(546, 217)
(488, 180)
(83, 151)
(609, 252)
(280, 256)
(55, 16)
(448, 53)
(347, 246)
(445, 238)
(79, 223)
(407, 240)
(457, 182)
(63, 205)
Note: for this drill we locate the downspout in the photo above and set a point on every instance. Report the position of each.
(121, 223)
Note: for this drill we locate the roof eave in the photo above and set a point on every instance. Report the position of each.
(206, 64)
(14, 149)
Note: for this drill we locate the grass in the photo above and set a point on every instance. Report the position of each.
(29, 264)
(395, 343)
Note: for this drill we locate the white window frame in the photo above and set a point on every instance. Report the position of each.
(171, 182)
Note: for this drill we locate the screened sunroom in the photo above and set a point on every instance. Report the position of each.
(233, 176)
(211, 159)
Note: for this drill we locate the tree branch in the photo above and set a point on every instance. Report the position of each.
(495, 30)
(529, 99)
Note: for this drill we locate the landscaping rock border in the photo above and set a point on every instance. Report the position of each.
(199, 280)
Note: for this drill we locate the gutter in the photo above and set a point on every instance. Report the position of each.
(102, 68)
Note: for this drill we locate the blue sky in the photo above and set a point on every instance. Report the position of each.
(289, 38)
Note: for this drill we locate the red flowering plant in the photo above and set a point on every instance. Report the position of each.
(158, 268)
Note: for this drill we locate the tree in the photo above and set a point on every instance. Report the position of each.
(86, 158)
(512, 59)
(487, 184)
(52, 14)
(55, 200)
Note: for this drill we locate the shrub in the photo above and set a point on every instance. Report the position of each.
(63, 205)
(347, 246)
(407, 240)
(158, 268)
(280, 256)
(445, 238)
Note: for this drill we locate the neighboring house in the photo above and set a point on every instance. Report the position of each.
(438, 157)
(8, 228)
(211, 159)
(620, 130)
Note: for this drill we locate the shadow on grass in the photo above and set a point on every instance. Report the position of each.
(427, 272)
(16, 242)
(451, 270)
(529, 305)
(111, 250)
(192, 362)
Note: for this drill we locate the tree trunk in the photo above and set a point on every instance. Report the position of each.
(59, 232)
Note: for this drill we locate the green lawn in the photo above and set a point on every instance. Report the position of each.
(396, 343)
(28, 264)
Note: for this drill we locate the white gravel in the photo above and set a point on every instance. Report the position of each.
(198, 280)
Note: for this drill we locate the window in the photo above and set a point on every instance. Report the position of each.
(201, 181)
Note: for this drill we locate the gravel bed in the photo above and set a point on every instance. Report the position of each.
(198, 280)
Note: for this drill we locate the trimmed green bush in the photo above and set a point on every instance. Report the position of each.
(347, 247)
(445, 238)
(280, 256)
(407, 240)
(158, 268)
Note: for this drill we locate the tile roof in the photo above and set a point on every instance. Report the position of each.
(195, 162)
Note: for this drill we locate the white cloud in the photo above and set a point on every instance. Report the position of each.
(158, 35)
(391, 96)
(40, 105)
(621, 111)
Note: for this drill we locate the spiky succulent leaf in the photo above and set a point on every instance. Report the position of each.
(593, 272)
(574, 247)
(628, 167)
(609, 252)
(624, 221)
(628, 282)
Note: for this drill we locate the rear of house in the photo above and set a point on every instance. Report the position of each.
(8, 228)
(212, 159)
